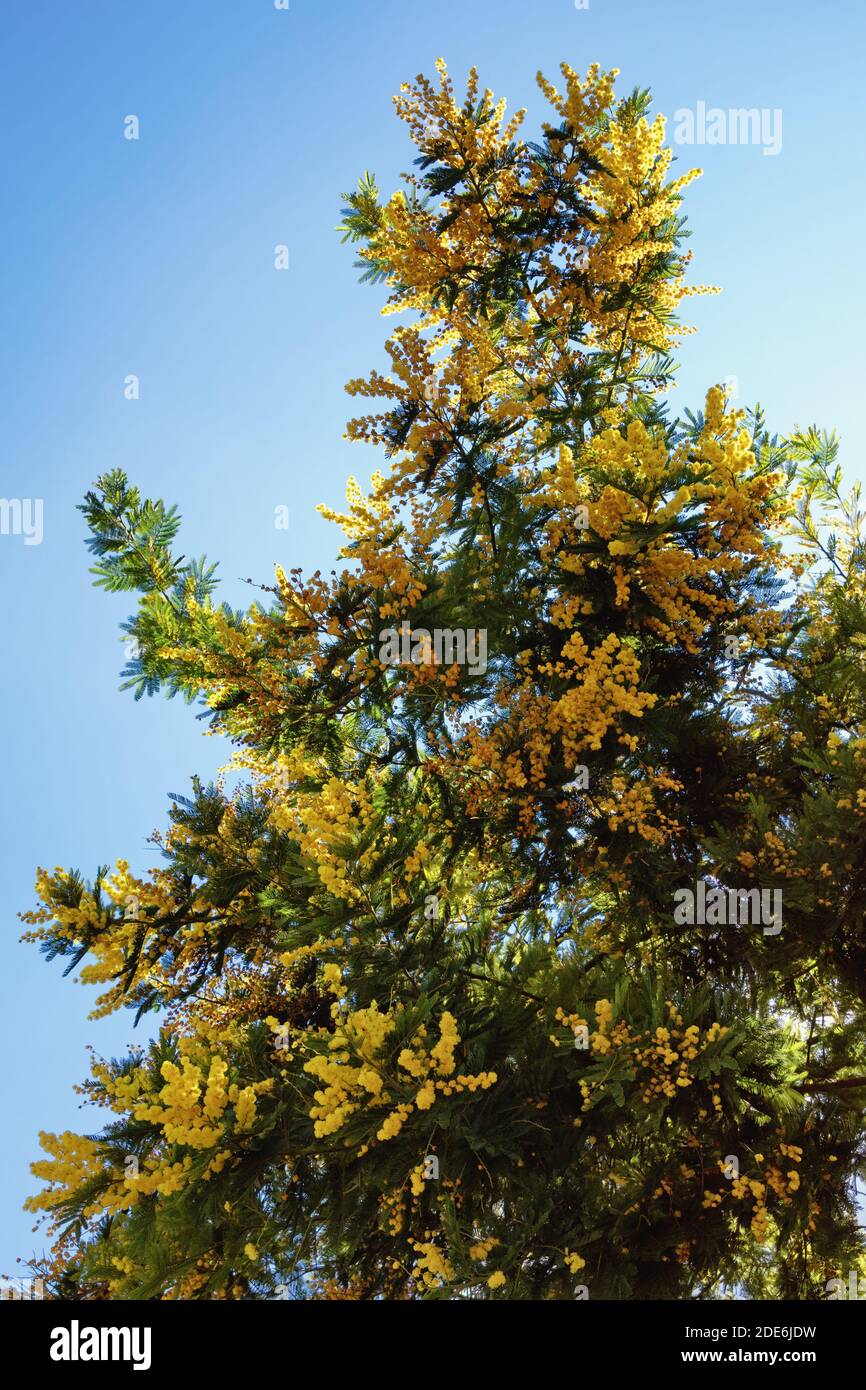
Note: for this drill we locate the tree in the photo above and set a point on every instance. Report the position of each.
(527, 958)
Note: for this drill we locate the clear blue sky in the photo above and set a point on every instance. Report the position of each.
(155, 257)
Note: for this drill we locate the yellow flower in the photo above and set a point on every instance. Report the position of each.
(426, 1096)
(333, 978)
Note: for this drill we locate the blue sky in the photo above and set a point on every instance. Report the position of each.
(155, 257)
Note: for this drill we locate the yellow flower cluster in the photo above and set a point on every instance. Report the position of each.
(189, 1101)
(634, 807)
(360, 1034)
(74, 1160)
(110, 939)
(659, 1059)
(325, 822)
(756, 1190)
(482, 1248)
(356, 1075)
(608, 688)
(432, 1268)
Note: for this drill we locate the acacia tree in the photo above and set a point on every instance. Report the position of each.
(431, 1022)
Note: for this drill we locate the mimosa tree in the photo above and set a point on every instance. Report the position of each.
(463, 977)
